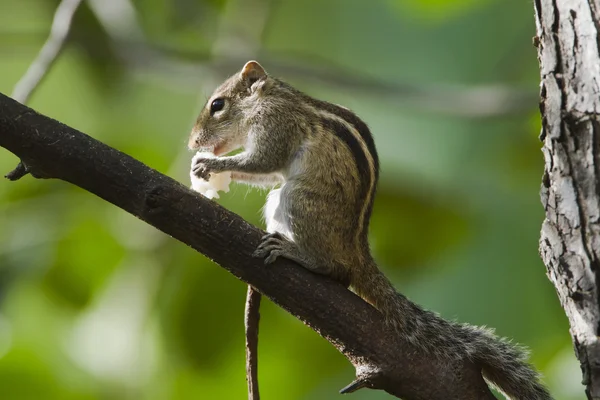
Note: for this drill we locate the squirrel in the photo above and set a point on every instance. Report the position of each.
(323, 160)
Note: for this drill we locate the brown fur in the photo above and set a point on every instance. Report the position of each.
(324, 157)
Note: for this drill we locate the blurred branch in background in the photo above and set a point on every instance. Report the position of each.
(59, 32)
(241, 41)
(233, 49)
(188, 70)
(119, 20)
(481, 101)
(39, 68)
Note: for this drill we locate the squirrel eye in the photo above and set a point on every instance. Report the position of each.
(216, 105)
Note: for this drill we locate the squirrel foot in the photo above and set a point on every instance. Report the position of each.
(275, 245)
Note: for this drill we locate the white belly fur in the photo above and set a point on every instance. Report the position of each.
(275, 215)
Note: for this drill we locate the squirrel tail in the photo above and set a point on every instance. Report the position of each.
(503, 364)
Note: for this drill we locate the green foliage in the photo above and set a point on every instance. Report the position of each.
(95, 304)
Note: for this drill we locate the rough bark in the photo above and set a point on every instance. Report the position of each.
(49, 149)
(568, 40)
(251, 321)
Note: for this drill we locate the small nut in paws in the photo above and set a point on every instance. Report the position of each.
(210, 185)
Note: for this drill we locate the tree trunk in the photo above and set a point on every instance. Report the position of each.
(568, 40)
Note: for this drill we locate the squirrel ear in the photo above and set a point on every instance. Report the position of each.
(253, 71)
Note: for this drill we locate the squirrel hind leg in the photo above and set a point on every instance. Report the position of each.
(275, 245)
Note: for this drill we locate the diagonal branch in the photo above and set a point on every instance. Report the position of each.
(38, 69)
(50, 149)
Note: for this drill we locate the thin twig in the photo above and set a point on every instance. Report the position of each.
(354, 386)
(17, 173)
(251, 322)
(39, 68)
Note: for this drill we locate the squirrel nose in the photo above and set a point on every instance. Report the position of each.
(193, 142)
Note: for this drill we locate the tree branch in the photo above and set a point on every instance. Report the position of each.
(50, 149)
(568, 44)
(17, 173)
(251, 320)
(49, 52)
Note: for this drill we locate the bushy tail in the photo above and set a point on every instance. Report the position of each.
(503, 365)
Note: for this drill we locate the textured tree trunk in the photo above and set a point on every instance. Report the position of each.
(568, 40)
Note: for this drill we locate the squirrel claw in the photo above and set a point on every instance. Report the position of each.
(203, 167)
(201, 171)
(270, 240)
(271, 253)
(271, 235)
(273, 256)
(259, 253)
(271, 246)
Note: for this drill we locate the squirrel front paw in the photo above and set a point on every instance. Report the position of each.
(202, 168)
(205, 179)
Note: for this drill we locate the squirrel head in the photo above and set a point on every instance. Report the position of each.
(221, 126)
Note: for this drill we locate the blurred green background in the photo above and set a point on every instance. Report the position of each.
(95, 304)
